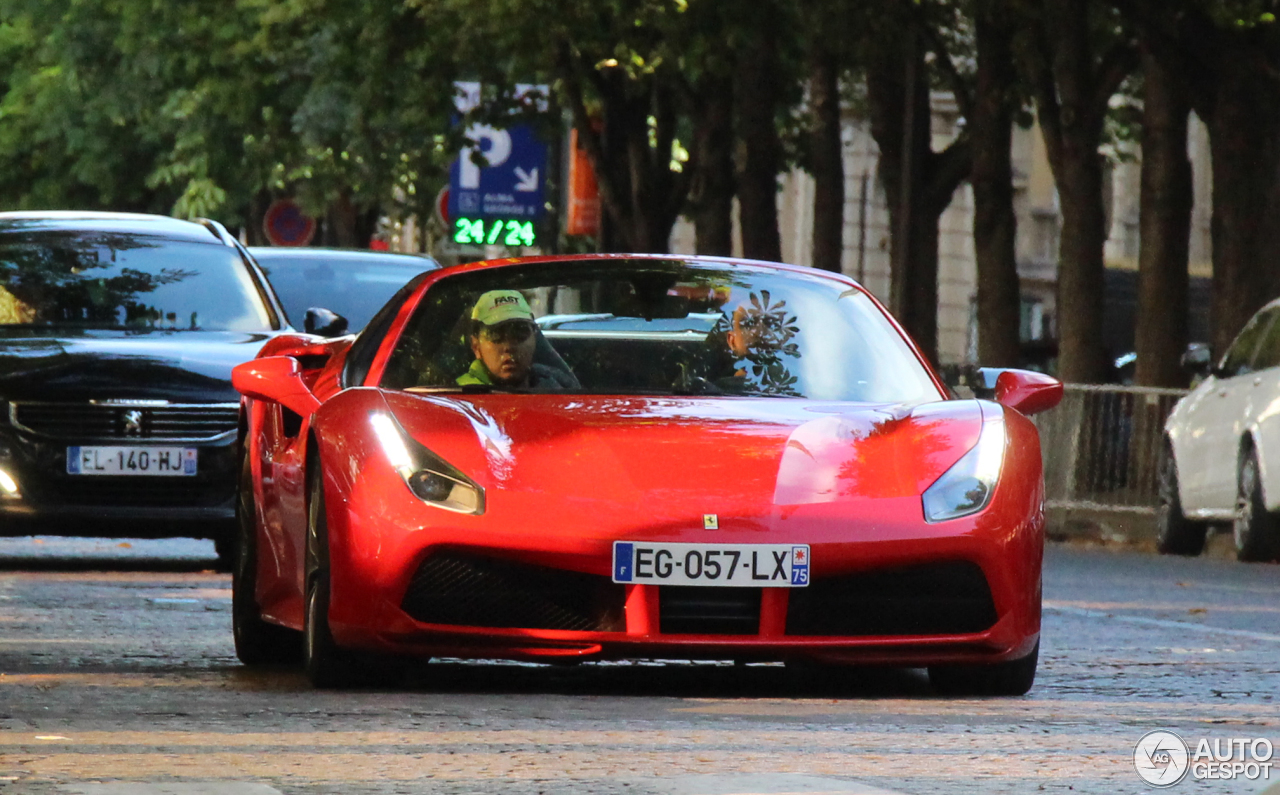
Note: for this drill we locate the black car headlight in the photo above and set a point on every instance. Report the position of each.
(967, 486)
(431, 479)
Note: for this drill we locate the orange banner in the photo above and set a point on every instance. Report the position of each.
(583, 216)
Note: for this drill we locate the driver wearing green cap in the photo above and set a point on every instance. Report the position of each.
(503, 338)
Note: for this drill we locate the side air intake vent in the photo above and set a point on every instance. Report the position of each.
(475, 591)
(938, 599)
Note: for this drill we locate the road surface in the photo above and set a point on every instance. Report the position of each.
(116, 665)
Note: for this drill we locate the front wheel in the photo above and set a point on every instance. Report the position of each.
(1012, 678)
(1254, 529)
(325, 664)
(1175, 534)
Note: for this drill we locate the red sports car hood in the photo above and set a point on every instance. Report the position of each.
(746, 455)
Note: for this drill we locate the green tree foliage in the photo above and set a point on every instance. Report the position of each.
(75, 123)
(196, 108)
(368, 104)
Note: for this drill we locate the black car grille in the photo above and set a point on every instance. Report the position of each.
(937, 599)
(470, 590)
(108, 421)
(690, 610)
(136, 492)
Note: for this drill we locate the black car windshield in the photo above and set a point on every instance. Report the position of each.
(111, 280)
(653, 326)
(355, 285)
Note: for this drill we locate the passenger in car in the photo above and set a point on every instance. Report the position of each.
(504, 339)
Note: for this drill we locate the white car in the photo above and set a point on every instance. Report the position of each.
(1221, 459)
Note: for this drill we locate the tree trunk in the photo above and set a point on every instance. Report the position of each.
(1229, 73)
(1243, 130)
(757, 97)
(366, 226)
(1073, 88)
(918, 183)
(1165, 227)
(994, 223)
(711, 191)
(827, 162)
(340, 222)
(1081, 268)
(258, 204)
(640, 196)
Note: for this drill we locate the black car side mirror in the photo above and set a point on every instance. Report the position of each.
(970, 380)
(324, 323)
(1196, 360)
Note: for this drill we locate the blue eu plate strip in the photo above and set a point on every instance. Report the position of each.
(623, 555)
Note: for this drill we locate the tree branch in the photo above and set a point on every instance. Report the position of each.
(587, 134)
(947, 169)
(1117, 63)
(1048, 111)
(955, 81)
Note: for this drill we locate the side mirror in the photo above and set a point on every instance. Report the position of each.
(277, 379)
(1026, 391)
(1196, 360)
(324, 323)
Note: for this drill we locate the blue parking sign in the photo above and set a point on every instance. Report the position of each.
(510, 186)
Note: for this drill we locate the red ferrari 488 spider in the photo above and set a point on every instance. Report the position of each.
(586, 458)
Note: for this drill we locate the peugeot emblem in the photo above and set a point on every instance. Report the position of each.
(132, 423)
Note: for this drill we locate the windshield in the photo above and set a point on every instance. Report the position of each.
(661, 327)
(354, 286)
(110, 280)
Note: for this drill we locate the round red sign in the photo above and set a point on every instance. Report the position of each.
(285, 224)
(442, 205)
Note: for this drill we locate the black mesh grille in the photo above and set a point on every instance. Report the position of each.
(467, 590)
(939, 599)
(101, 421)
(689, 610)
(172, 492)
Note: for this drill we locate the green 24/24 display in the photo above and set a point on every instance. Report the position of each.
(480, 231)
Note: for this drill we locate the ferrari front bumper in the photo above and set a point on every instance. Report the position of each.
(899, 592)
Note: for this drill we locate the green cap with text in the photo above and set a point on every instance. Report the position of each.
(498, 306)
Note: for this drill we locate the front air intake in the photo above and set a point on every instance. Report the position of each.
(476, 591)
(937, 599)
(690, 610)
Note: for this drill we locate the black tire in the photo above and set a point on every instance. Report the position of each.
(225, 547)
(1013, 678)
(257, 641)
(1254, 529)
(1175, 533)
(325, 664)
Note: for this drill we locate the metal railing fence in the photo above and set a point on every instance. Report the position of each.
(1101, 446)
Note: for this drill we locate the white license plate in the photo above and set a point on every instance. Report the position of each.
(735, 565)
(168, 461)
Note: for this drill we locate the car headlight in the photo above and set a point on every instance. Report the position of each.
(8, 486)
(967, 486)
(431, 479)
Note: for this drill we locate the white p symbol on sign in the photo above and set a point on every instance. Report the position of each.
(497, 154)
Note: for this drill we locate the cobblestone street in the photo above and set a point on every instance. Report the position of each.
(129, 675)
